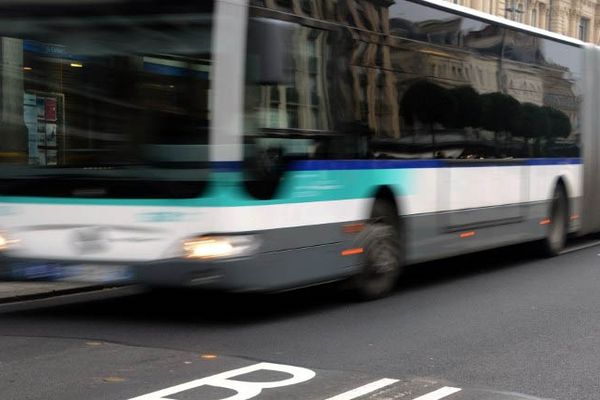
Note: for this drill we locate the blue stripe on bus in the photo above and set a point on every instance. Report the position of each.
(226, 166)
(318, 165)
(315, 165)
(554, 161)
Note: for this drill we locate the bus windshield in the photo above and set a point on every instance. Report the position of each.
(113, 90)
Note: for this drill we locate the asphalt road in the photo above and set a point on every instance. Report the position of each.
(493, 326)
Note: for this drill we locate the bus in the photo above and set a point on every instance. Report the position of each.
(265, 145)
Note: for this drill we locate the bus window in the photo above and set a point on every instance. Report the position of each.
(97, 92)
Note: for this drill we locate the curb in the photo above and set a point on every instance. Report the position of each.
(66, 297)
(41, 294)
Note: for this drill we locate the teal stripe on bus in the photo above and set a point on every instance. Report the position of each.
(225, 190)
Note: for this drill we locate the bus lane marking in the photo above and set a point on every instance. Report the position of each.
(246, 390)
(366, 389)
(439, 394)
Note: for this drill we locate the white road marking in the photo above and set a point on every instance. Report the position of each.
(366, 389)
(439, 394)
(244, 390)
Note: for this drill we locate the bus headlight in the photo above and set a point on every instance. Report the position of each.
(212, 247)
(6, 242)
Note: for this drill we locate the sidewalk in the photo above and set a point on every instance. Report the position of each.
(21, 291)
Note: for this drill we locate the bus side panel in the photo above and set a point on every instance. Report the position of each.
(431, 237)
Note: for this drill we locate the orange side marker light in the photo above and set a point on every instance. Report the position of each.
(467, 234)
(351, 252)
(353, 228)
(546, 221)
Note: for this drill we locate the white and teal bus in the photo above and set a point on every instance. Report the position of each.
(258, 145)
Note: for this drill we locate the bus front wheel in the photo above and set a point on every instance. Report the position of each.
(382, 262)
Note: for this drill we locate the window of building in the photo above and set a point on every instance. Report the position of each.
(514, 11)
(534, 17)
(542, 16)
(584, 27)
(508, 11)
(306, 6)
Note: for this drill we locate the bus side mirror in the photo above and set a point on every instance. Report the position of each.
(270, 51)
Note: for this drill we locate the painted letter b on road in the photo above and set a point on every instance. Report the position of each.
(245, 390)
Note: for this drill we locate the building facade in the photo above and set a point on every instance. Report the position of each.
(579, 19)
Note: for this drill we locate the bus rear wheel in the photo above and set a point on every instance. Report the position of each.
(556, 235)
(383, 259)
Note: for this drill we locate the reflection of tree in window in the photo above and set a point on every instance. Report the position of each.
(500, 114)
(429, 104)
(468, 108)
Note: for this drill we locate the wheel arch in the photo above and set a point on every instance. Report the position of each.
(563, 182)
(387, 194)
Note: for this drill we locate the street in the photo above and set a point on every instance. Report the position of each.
(501, 324)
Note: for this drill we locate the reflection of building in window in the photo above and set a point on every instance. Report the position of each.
(299, 104)
(364, 77)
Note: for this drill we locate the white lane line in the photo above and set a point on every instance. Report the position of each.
(439, 394)
(366, 389)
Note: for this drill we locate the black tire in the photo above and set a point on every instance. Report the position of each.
(557, 229)
(383, 256)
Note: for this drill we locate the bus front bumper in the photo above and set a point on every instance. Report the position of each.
(261, 272)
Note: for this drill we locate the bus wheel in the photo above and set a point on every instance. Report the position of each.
(556, 235)
(382, 263)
